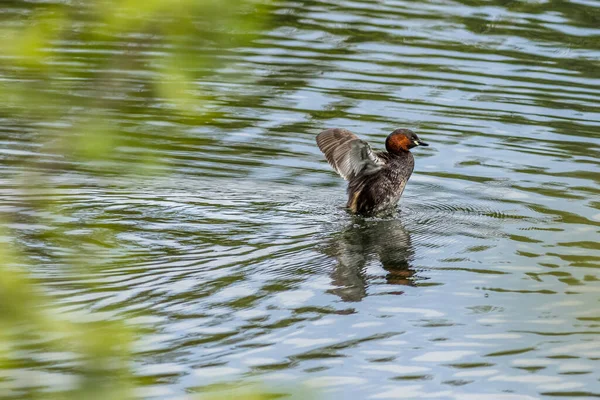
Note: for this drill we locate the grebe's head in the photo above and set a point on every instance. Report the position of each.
(402, 140)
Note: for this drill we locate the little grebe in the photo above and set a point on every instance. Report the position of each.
(375, 180)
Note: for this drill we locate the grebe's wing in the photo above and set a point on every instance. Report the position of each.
(347, 153)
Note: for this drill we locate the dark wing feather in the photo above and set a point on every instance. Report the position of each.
(347, 153)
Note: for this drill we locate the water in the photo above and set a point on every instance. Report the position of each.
(242, 263)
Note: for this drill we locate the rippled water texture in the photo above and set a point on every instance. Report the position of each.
(242, 261)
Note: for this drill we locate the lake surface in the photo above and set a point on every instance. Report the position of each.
(241, 261)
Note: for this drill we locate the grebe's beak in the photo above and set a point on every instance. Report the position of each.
(419, 142)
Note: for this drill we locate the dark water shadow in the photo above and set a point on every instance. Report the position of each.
(366, 240)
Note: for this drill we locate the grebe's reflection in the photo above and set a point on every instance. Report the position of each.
(363, 241)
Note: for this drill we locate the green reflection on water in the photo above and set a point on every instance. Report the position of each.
(237, 91)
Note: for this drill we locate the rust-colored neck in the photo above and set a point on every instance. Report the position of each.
(397, 143)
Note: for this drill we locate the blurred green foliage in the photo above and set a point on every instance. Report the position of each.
(69, 103)
(125, 57)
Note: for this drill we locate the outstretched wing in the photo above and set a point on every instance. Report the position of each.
(347, 154)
